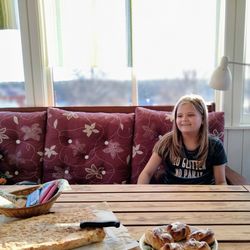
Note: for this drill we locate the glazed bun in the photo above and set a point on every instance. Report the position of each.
(179, 236)
(193, 244)
(178, 230)
(172, 246)
(157, 237)
(203, 235)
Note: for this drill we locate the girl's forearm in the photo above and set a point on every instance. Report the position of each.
(144, 178)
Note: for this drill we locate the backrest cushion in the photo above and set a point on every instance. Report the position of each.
(21, 145)
(150, 125)
(216, 123)
(87, 147)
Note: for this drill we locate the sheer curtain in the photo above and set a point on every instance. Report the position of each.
(8, 14)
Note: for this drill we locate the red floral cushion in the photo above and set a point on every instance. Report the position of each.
(216, 122)
(150, 125)
(21, 145)
(88, 147)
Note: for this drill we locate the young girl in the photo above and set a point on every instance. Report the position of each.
(189, 154)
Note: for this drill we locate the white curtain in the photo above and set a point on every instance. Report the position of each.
(8, 14)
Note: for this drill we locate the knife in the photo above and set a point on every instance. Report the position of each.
(85, 224)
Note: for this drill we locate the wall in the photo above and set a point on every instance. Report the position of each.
(237, 146)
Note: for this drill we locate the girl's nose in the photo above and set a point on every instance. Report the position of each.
(185, 117)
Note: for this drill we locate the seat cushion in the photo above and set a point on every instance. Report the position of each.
(21, 145)
(87, 148)
(150, 125)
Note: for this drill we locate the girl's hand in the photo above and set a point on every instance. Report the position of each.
(2, 181)
(150, 168)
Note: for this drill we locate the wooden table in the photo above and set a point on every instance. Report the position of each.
(224, 209)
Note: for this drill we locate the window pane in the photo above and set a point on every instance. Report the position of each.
(246, 99)
(88, 51)
(91, 87)
(174, 48)
(12, 92)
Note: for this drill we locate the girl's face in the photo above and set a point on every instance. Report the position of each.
(188, 119)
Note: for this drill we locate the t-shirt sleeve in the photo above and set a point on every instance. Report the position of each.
(218, 154)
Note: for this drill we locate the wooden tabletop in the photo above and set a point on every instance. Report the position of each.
(224, 209)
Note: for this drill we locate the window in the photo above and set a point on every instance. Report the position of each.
(237, 48)
(88, 52)
(246, 70)
(129, 50)
(100, 51)
(175, 47)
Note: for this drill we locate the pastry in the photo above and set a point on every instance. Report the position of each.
(203, 235)
(172, 246)
(179, 236)
(178, 230)
(193, 244)
(157, 237)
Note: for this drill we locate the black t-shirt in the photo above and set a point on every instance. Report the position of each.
(186, 170)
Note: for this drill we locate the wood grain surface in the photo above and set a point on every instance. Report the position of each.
(224, 209)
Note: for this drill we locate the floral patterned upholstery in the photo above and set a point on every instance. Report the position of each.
(87, 147)
(216, 122)
(150, 125)
(21, 145)
(83, 147)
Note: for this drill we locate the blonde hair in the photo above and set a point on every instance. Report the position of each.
(171, 144)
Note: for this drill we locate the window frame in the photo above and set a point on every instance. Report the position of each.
(38, 80)
(232, 99)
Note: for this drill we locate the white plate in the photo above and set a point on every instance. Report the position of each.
(144, 246)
